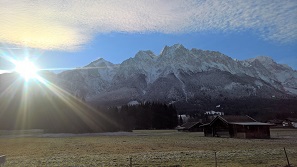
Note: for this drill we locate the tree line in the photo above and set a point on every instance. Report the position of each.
(148, 115)
(262, 109)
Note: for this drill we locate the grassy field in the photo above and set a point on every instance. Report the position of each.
(147, 148)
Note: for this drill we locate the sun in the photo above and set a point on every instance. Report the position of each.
(26, 69)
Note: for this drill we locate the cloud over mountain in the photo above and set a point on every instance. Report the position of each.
(68, 25)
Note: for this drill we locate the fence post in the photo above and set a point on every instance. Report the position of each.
(287, 157)
(216, 163)
(130, 161)
(2, 160)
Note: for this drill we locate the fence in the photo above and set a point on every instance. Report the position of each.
(236, 158)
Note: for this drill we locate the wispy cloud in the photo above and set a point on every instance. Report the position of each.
(68, 24)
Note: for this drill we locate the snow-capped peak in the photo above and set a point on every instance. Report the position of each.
(265, 59)
(100, 63)
(143, 55)
(173, 50)
(147, 75)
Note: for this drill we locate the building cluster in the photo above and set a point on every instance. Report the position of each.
(235, 126)
(285, 123)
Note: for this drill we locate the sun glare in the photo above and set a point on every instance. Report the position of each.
(26, 69)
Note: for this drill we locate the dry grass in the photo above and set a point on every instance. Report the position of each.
(149, 148)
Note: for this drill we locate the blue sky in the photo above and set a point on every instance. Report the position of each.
(68, 34)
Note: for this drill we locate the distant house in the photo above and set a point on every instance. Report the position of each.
(190, 127)
(290, 122)
(237, 127)
(210, 115)
(213, 113)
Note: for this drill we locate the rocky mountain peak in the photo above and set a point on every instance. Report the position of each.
(270, 64)
(176, 49)
(144, 55)
(264, 60)
(181, 74)
(100, 63)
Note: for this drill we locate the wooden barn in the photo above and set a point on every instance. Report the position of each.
(236, 127)
(190, 127)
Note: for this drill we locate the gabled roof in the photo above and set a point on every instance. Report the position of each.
(237, 120)
(189, 125)
(252, 123)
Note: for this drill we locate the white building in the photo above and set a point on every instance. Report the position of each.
(214, 113)
(290, 122)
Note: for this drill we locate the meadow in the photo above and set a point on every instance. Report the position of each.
(147, 148)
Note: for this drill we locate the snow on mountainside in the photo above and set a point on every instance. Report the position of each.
(278, 72)
(90, 80)
(179, 74)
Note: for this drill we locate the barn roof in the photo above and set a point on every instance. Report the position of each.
(189, 125)
(252, 123)
(238, 120)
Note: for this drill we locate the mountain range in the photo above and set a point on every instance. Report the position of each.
(178, 75)
(194, 81)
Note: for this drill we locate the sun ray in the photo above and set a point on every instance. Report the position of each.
(48, 90)
(26, 69)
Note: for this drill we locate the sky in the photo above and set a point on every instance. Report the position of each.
(65, 34)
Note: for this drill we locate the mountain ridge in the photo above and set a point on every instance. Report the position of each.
(180, 74)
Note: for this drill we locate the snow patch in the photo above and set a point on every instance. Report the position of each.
(133, 103)
(259, 84)
(291, 90)
(231, 86)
